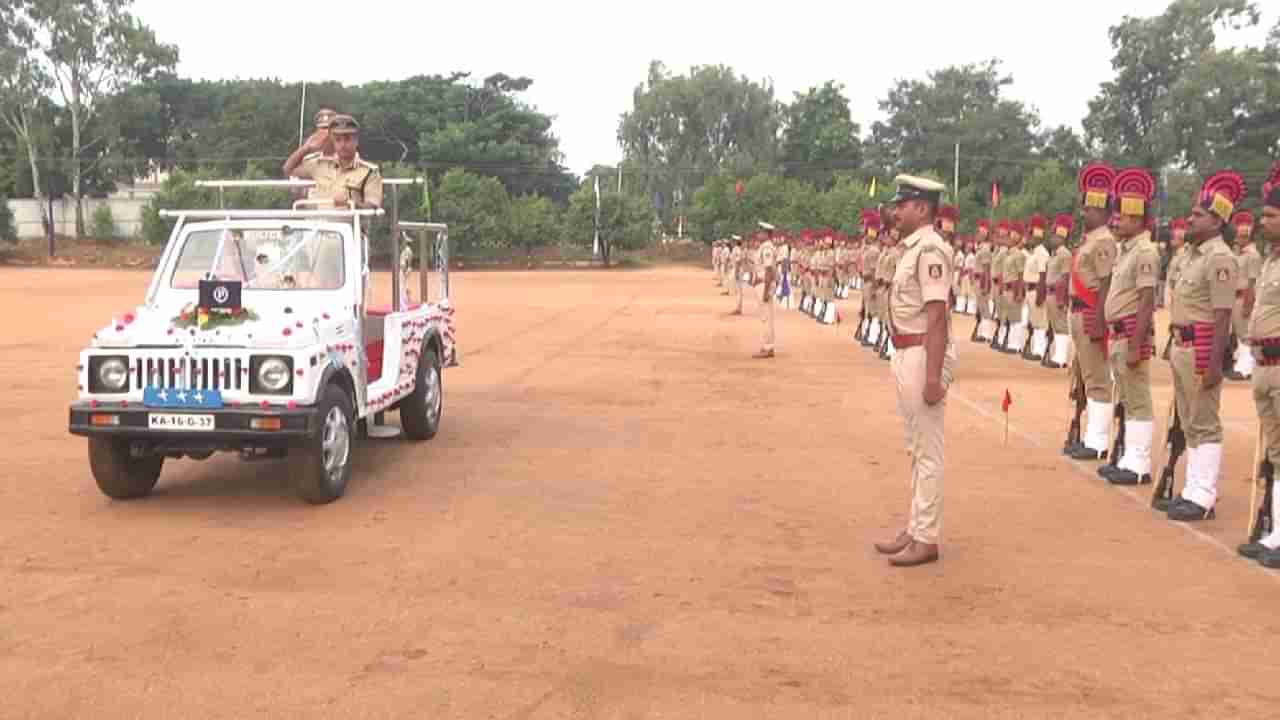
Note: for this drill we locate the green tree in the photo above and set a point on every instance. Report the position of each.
(1048, 190)
(179, 192)
(820, 138)
(682, 129)
(535, 222)
(625, 220)
(477, 210)
(91, 49)
(23, 83)
(1138, 118)
(961, 104)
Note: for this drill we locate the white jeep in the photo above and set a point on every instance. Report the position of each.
(258, 335)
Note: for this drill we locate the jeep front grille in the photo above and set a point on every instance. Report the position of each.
(178, 371)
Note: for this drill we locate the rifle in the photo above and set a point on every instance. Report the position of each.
(1115, 437)
(1260, 523)
(1049, 338)
(1076, 394)
(1175, 444)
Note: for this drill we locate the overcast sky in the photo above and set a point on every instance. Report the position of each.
(586, 58)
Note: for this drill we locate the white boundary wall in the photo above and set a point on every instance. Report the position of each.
(126, 211)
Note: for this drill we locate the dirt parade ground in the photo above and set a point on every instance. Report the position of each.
(623, 516)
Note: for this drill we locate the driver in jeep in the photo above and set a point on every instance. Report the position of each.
(342, 177)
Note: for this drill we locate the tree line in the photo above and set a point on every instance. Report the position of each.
(1177, 104)
(89, 100)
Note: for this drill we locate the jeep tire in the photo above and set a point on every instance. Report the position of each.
(420, 412)
(119, 474)
(322, 466)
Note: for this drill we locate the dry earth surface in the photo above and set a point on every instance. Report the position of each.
(623, 517)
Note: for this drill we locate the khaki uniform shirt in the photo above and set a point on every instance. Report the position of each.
(1015, 262)
(1208, 282)
(1250, 265)
(735, 261)
(362, 181)
(1095, 257)
(1058, 267)
(1175, 271)
(870, 262)
(888, 263)
(997, 268)
(923, 275)
(1265, 321)
(982, 262)
(1037, 263)
(1135, 269)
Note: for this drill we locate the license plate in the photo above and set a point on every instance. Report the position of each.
(180, 421)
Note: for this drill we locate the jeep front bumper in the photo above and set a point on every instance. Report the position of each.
(231, 428)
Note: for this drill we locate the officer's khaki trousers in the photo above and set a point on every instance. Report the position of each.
(924, 426)
(1197, 407)
(1039, 314)
(1133, 384)
(737, 280)
(1266, 397)
(1239, 323)
(1092, 362)
(766, 318)
(984, 302)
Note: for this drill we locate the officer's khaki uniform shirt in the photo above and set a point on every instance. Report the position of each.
(922, 275)
(362, 181)
(870, 262)
(1135, 270)
(768, 256)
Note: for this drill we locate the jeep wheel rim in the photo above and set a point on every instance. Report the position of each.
(335, 444)
(432, 394)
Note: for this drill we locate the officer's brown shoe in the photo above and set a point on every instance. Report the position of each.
(762, 354)
(894, 546)
(916, 553)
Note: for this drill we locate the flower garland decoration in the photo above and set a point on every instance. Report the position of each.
(205, 318)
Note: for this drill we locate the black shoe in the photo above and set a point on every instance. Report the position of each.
(1253, 550)
(1068, 449)
(1127, 477)
(1183, 510)
(1053, 365)
(1162, 504)
(1270, 559)
(1084, 452)
(1107, 471)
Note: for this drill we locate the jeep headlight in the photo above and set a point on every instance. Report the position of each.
(272, 375)
(109, 374)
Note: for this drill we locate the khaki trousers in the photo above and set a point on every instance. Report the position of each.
(984, 302)
(766, 318)
(1039, 314)
(1133, 385)
(1198, 408)
(1091, 361)
(1058, 319)
(924, 430)
(737, 281)
(1266, 397)
(1239, 323)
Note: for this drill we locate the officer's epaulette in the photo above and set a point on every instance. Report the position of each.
(367, 164)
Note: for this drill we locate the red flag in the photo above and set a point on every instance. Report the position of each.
(995, 194)
(1008, 400)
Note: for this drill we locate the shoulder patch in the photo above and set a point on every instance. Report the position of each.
(1224, 274)
(935, 271)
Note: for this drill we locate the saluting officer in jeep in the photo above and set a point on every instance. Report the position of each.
(342, 177)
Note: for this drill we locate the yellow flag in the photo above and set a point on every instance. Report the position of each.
(872, 191)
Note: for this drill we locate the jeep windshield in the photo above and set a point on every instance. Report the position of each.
(263, 259)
